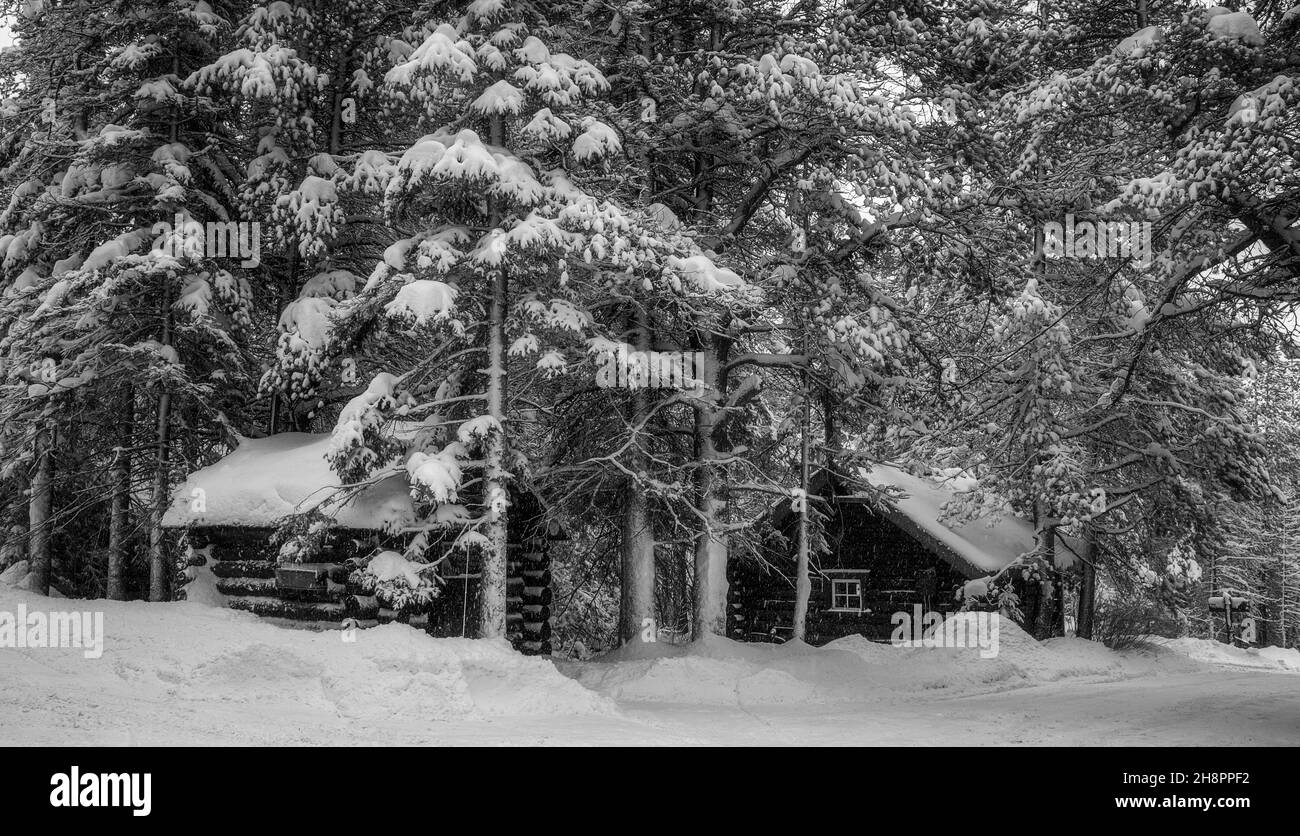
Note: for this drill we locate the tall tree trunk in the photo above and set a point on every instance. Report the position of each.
(162, 458)
(161, 483)
(709, 607)
(637, 553)
(711, 541)
(496, 480)
(712, 546)
(832, 431)
(803, 585)
(636, 616)
(637, 544)
(496, 489)
(1283, 554)
(120, 504)
(38, 510)
(1058, 598)
(1049, 601)
(1087, 586)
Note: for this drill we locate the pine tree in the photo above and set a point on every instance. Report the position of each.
(507, 250)
(309, 172)
(113, 304)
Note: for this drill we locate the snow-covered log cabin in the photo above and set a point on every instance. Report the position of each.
(230, 513)
(880, 558)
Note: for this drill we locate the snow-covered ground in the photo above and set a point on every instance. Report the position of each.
(187, 673)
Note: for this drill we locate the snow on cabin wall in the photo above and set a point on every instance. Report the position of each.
(267, 479)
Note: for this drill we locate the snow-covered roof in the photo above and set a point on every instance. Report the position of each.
(267, 479)
(978, 547)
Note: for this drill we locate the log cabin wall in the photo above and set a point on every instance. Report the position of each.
(243, 563)
(895, 572)
(528, 576)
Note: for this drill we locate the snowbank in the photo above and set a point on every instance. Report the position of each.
(166, 663)
(21, 577)
(1217, 653)
(186, 673)
(718, 671)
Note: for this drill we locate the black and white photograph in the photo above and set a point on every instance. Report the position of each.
(650, 373)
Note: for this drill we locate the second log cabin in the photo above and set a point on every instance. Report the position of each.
(879, 557)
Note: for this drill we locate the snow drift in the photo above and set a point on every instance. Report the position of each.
(1217, 653)
(273, 683)
(719, 671)
(20, 576)
(189, 673)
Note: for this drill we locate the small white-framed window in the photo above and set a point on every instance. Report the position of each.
(846, 595)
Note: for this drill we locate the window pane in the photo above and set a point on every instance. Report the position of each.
(846, 594)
